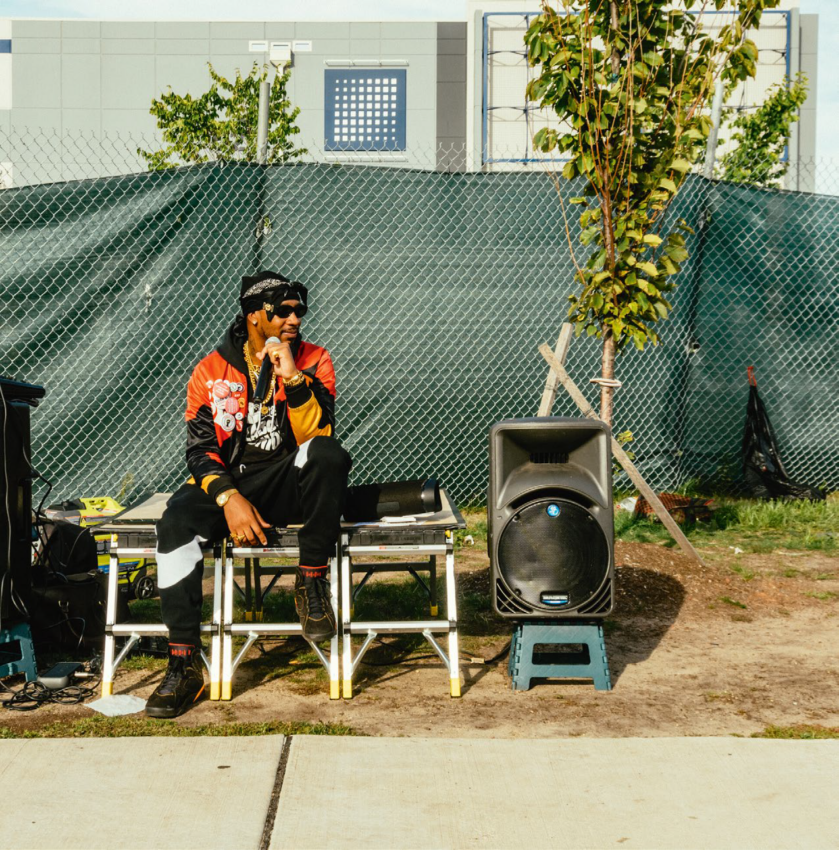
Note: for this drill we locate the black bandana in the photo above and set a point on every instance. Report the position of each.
(270, 288)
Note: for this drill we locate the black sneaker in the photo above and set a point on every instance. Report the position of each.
(182, 685)
(314, 608)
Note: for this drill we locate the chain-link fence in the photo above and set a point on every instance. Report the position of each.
(432, 290)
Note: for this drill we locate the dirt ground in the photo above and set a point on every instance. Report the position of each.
(745, 642)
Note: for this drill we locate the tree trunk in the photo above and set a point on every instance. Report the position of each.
(615, 22)
(607, 370)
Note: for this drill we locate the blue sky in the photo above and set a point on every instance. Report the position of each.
(827, 142)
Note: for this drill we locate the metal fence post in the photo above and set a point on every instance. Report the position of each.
(262, 122)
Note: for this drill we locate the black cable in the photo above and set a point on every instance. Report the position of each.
(35, 694)
(496, 658)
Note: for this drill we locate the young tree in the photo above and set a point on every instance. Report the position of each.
(761, 137)
(221, 124)
(630, 79)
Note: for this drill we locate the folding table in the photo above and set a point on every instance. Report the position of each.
(281, 543)
(133, 534)
(426, 536)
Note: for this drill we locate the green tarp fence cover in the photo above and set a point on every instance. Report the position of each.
(431, 290)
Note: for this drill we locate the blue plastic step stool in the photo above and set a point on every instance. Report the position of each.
(20, 659)
(590, 663)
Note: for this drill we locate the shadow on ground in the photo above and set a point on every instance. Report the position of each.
(647, 604)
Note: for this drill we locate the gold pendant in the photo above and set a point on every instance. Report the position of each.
(264, 409)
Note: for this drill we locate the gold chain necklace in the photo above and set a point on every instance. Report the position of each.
(254, 375)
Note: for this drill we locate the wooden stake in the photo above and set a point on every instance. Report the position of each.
(631, 470)
(552, 381)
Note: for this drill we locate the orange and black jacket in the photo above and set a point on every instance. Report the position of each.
(218, 394)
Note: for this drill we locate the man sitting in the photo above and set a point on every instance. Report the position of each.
(255, 462)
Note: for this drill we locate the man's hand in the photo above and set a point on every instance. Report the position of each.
(282, 358)
(244, 521)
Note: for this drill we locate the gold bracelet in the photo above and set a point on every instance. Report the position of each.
(291, 383)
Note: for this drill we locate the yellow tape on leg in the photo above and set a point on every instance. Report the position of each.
(107, 689)
(347, 688)
(335, 690)
(455, 687)
(215, 691)
(226, 690)
(434, 610)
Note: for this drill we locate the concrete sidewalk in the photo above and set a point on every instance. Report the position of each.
(323, 792)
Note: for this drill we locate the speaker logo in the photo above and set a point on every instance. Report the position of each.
(552, 510)
(555, 599)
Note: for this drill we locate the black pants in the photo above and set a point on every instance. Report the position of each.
(307, 487)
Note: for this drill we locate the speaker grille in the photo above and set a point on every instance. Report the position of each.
(549, 457)
(553, 556)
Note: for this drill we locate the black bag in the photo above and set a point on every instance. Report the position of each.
(69, 611)
(763, 470)
(69, 549)
(69, 593)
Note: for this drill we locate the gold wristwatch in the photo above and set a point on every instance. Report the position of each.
(223, 498)
(291, 383)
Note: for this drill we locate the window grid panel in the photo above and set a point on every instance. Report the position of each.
(364, 110)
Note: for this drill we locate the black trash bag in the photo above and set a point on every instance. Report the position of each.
(763, 470)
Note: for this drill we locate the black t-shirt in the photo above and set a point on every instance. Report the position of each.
(263, 434)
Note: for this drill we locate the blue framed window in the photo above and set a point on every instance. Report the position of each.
(364, 110)
(5, 45)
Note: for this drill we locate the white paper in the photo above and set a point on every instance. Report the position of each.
(117, 705)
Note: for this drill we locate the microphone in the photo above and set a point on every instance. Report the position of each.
(264, 374)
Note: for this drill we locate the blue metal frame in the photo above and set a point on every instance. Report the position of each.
(486, 160)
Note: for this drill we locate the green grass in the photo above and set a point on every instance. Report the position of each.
(135, 727)
(822, 595)
(144, 662)
(476, 528)
(801, 733)
(752, 526)
(733, 602)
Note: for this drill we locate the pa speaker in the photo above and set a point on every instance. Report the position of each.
(550, 520)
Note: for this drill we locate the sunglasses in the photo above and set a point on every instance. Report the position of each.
(285, 310)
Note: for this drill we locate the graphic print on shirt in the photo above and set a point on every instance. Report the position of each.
(263, 431)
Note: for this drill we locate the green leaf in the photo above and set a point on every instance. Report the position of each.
(678, 255)
(648, 268)
(667, 183)
(668, 266)
(589, 234)
(652, 239)
(681, 165)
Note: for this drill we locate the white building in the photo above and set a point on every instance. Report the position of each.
(502, 122)
(75, 94)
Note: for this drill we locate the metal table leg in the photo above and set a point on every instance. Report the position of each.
(346, 615)
(218, 622)
(227, 618)
(451, 616)
(110, 619)
(334, 657)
